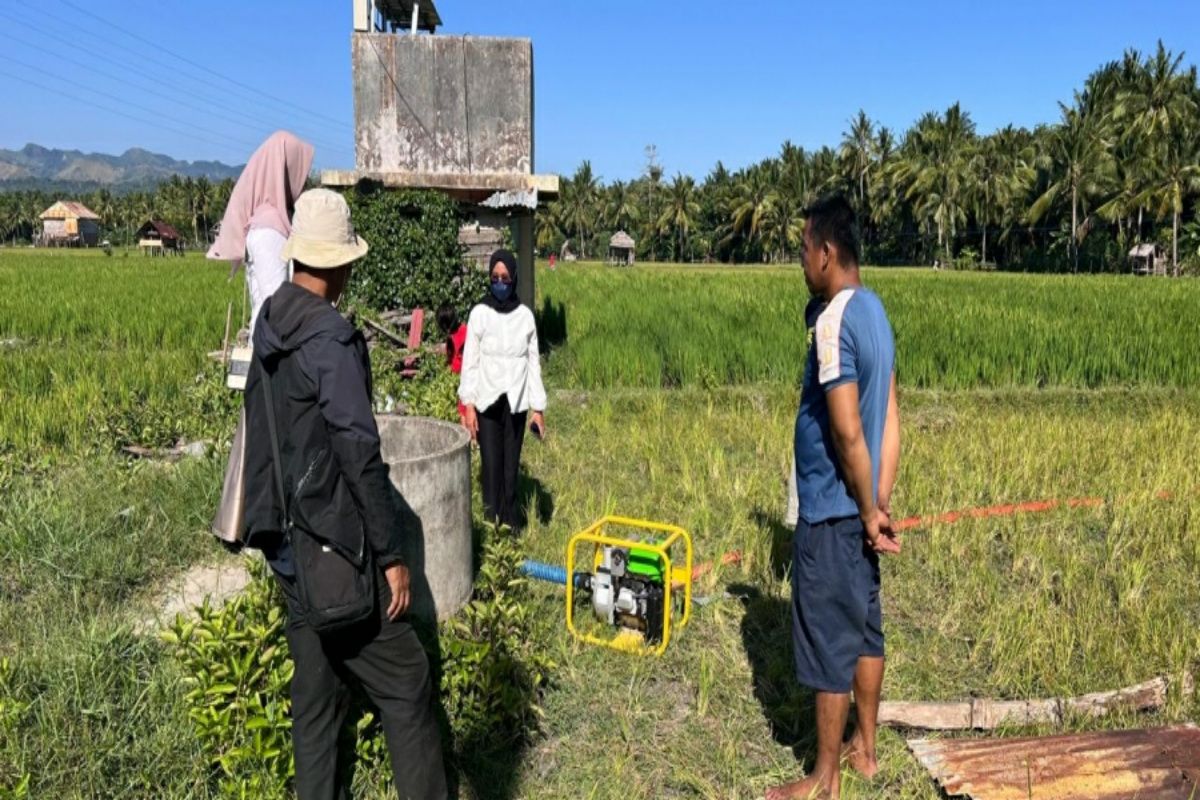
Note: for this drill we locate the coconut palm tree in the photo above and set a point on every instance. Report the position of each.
(715, 197)
(749, 204)
(1000, 170)
(1078, 159)
(202, 196)
(782, 224)
(1129, 179)
(621, 208)
(1161, 104)
(796, 177)
(934, 169)
(9, 216)
(1160, 97)
(579, 201)
(681, 211)
(30, 214)
(1180, 178)
(857, 152)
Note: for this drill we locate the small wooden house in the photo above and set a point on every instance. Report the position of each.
(1147, 259)
(157, 238)
(70, 224)
(620, 249)
(480, 240)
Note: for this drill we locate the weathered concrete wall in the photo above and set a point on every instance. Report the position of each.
(430, 466)
(439, 104)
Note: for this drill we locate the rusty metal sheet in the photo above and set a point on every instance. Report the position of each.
(1152, 764)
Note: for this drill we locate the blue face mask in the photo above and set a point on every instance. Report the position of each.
(501, 290)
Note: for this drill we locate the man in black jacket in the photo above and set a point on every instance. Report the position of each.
(337, 486)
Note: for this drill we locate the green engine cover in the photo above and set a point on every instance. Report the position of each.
(646, 564)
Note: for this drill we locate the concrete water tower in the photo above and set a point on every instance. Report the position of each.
(452, 113)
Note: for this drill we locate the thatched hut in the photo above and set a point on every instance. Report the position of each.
(1147, 259)
(70, 224)
(157, 238)
(620, 249)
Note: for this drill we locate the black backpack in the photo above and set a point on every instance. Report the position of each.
(334, 589)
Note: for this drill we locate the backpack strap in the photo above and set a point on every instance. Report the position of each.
(276, 462)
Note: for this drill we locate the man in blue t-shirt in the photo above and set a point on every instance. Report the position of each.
(847, 454)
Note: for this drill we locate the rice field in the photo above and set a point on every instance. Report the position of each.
(709, 326)
(89, 343)
(672, 395)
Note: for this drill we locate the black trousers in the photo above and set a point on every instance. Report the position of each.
(501, 434)
(386, 659)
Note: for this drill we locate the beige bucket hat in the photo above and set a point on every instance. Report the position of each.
(322, 234)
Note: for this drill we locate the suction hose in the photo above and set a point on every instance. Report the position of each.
(551, 573)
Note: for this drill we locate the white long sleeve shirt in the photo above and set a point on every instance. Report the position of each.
(265, 270)
(500, 359)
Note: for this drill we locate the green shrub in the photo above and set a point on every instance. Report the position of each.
(967, 258)
(238, 668)
(415, 257)
(492, 671)
(432, 392)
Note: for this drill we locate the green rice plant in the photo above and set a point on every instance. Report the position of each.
(99, 352)
(1028, 605)
(680, 326)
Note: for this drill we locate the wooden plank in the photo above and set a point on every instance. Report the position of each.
(394, 338)
(987, 714)
(927, 716)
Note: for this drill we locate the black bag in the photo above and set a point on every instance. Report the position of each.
(335, 589)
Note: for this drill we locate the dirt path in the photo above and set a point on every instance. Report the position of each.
(219, 582)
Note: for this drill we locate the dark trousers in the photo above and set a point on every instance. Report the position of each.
(501, 434)
(386, 659)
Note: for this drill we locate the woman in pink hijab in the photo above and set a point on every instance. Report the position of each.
(255, 228)
(257, 220)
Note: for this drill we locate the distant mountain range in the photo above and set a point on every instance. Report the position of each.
(37, 167)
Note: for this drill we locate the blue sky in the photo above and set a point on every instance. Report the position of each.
(701, 80)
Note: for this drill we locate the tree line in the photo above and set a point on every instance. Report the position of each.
(191, 205)
(1120, 167)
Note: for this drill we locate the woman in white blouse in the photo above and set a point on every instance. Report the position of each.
(501, 384)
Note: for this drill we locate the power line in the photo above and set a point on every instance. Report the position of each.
(174, 98)
(140, 71)
(124, 101)
(109, 109)
(287, 103)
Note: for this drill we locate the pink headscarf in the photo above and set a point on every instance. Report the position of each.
(270, 182)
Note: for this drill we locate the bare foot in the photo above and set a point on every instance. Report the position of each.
(859, 760)
(809, 788)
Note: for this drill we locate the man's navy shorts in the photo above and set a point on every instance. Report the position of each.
(836, 616)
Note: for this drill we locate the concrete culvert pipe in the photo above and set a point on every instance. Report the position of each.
(430, 466)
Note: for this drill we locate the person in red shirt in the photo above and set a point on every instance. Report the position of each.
(456, 337)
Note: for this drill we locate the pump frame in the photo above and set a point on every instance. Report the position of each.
(598, 534)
